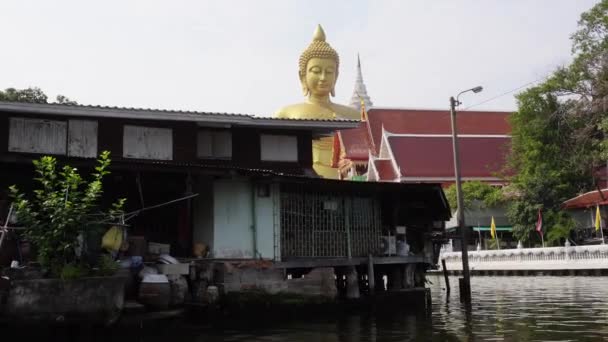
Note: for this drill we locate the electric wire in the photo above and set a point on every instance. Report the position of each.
(506, 93)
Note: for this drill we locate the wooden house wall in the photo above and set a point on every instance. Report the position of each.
(245, 141)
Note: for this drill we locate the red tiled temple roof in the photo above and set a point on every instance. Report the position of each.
(385, 169)
(432, 157)
(355, 142)
(421, 121)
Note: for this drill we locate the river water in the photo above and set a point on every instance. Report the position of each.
(503, 309)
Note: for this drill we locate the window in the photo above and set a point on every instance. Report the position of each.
(147, 142)
(37, 136)
(214, 144)
(76, 138)
(82, 138)
(279, 148)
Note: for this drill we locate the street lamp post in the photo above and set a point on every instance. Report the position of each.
(465, 282)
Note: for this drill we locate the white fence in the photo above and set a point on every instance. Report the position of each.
(524, 259)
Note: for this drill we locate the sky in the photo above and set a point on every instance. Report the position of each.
(240, 56)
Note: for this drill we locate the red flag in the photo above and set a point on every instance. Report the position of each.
(539, 224)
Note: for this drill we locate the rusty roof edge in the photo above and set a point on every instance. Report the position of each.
(166, 115)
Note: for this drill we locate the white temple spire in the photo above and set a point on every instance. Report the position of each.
(360, 91)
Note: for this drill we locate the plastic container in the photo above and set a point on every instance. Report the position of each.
(155, 291)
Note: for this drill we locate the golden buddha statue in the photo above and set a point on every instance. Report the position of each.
(318, 72)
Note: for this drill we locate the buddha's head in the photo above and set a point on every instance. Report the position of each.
(318, 66)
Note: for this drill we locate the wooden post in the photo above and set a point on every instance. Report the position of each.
(445, 275)
(347, 213)
(371, 277)
(352, 283)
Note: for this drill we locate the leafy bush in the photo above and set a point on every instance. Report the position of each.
(475, 193)
(106, 265)
(60, 210)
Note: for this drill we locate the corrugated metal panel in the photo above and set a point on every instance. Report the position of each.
(82, 138)
(147, 143)
(279, 148)
(37, 136)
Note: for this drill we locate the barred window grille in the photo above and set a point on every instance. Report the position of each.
(320, 224)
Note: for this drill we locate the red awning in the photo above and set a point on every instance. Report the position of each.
(587, 200)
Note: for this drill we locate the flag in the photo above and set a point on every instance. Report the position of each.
(539, 223)
(493, 229)
(598, 219)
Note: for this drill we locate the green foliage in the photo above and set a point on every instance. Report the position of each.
(106, 265)
(560, 133)
(73, 271)
(560, 230)
(31, 95)
(475, 193)
(63, 207)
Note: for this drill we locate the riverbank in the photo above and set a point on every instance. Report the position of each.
(521, 309)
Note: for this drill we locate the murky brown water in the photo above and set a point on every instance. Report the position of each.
(503, 309)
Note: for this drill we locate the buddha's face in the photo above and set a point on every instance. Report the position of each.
(320, 76)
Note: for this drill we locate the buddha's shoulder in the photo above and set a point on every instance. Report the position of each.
(312, 111)
(302, 111)
(346, 112)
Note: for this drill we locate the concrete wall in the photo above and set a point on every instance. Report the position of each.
(548, 258)
(203, 212)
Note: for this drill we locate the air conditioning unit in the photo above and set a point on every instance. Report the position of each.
(388, 245)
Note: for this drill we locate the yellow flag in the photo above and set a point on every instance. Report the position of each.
(598, 218)
(493, 229)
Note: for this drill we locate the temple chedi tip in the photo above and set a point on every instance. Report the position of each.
(360, 91)
(318, 71)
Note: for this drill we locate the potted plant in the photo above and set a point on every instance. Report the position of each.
(58, 213)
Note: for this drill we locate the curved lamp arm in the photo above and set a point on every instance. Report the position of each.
(474, 89)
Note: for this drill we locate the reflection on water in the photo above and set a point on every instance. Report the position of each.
(503, 309)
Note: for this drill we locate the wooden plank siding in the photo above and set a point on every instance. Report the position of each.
(110, 131)
(110, 137)
(82, 138)
(184, 142)
(37, 136)
(142, 142)
(3, 134)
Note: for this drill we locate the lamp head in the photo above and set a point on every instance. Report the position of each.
(477, 89)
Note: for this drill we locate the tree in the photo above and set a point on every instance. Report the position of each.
(63, 206)
(475, 193)
(31, 95)
(560, 132)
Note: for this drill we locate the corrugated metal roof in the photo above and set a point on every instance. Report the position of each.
(171, 115)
